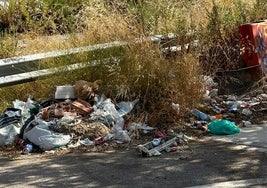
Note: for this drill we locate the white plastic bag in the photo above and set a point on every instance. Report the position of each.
(126, 106)
(24, 107)
(46, 139)
(106, 109)
(121, 136)
(9, 133)
(10, 125)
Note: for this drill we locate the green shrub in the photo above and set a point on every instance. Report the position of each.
(44, 17)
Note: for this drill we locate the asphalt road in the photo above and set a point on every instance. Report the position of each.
(203, 164)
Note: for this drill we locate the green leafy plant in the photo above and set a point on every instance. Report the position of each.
(44, 17)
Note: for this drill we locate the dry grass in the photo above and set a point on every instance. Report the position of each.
(143, 71)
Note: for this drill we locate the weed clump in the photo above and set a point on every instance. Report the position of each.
(142, 71)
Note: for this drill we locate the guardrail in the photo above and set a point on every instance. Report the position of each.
(15, 70)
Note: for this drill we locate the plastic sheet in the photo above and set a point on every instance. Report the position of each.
(223, 127)
(46, 139)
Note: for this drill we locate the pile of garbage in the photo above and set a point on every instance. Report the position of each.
(75, 116)
(225, 114)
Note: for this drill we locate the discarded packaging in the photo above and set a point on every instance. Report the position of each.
(176, 107)
(223, 127)
(149, 150)
(171, 149)
(156, 142)
(235, 106)
(65, 92)
(160, 134)
(27, 149)
(125, 107)
(46, 139)
(87, 142)
(99, 140)
(202, 125)
(201, 115)
(246, 111)
(216, 108)
(246, 123)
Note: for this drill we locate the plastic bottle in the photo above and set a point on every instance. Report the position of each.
(201, 115)
(27, 149)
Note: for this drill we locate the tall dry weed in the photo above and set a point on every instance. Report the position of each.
(143, 71)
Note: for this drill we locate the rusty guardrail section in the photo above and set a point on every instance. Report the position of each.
(15, 70)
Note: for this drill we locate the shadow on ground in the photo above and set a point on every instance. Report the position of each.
(200, 163)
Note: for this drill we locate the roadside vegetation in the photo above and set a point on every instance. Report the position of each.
(144, 72)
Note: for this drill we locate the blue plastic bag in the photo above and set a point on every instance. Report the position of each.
(223, 127)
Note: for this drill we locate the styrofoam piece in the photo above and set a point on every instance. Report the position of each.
(65, 92)
(149, 150)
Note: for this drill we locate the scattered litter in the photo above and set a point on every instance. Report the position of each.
(10, 124)
(171, 149)
(246, 123)
(86, 142)
(156, 142)
(223, 127)
(82, 107)
(50, 152)
(25, 107)
(201, 115)
(8, 134)
(99, 140)
(231, 98)
(235, 106)
(121, 136)
(183, 157)
(27, 149)
(140, 126)
(160, 134)
(201, 125)
(176, 107)
(153, 149)
(246, 111)
(125, 107)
